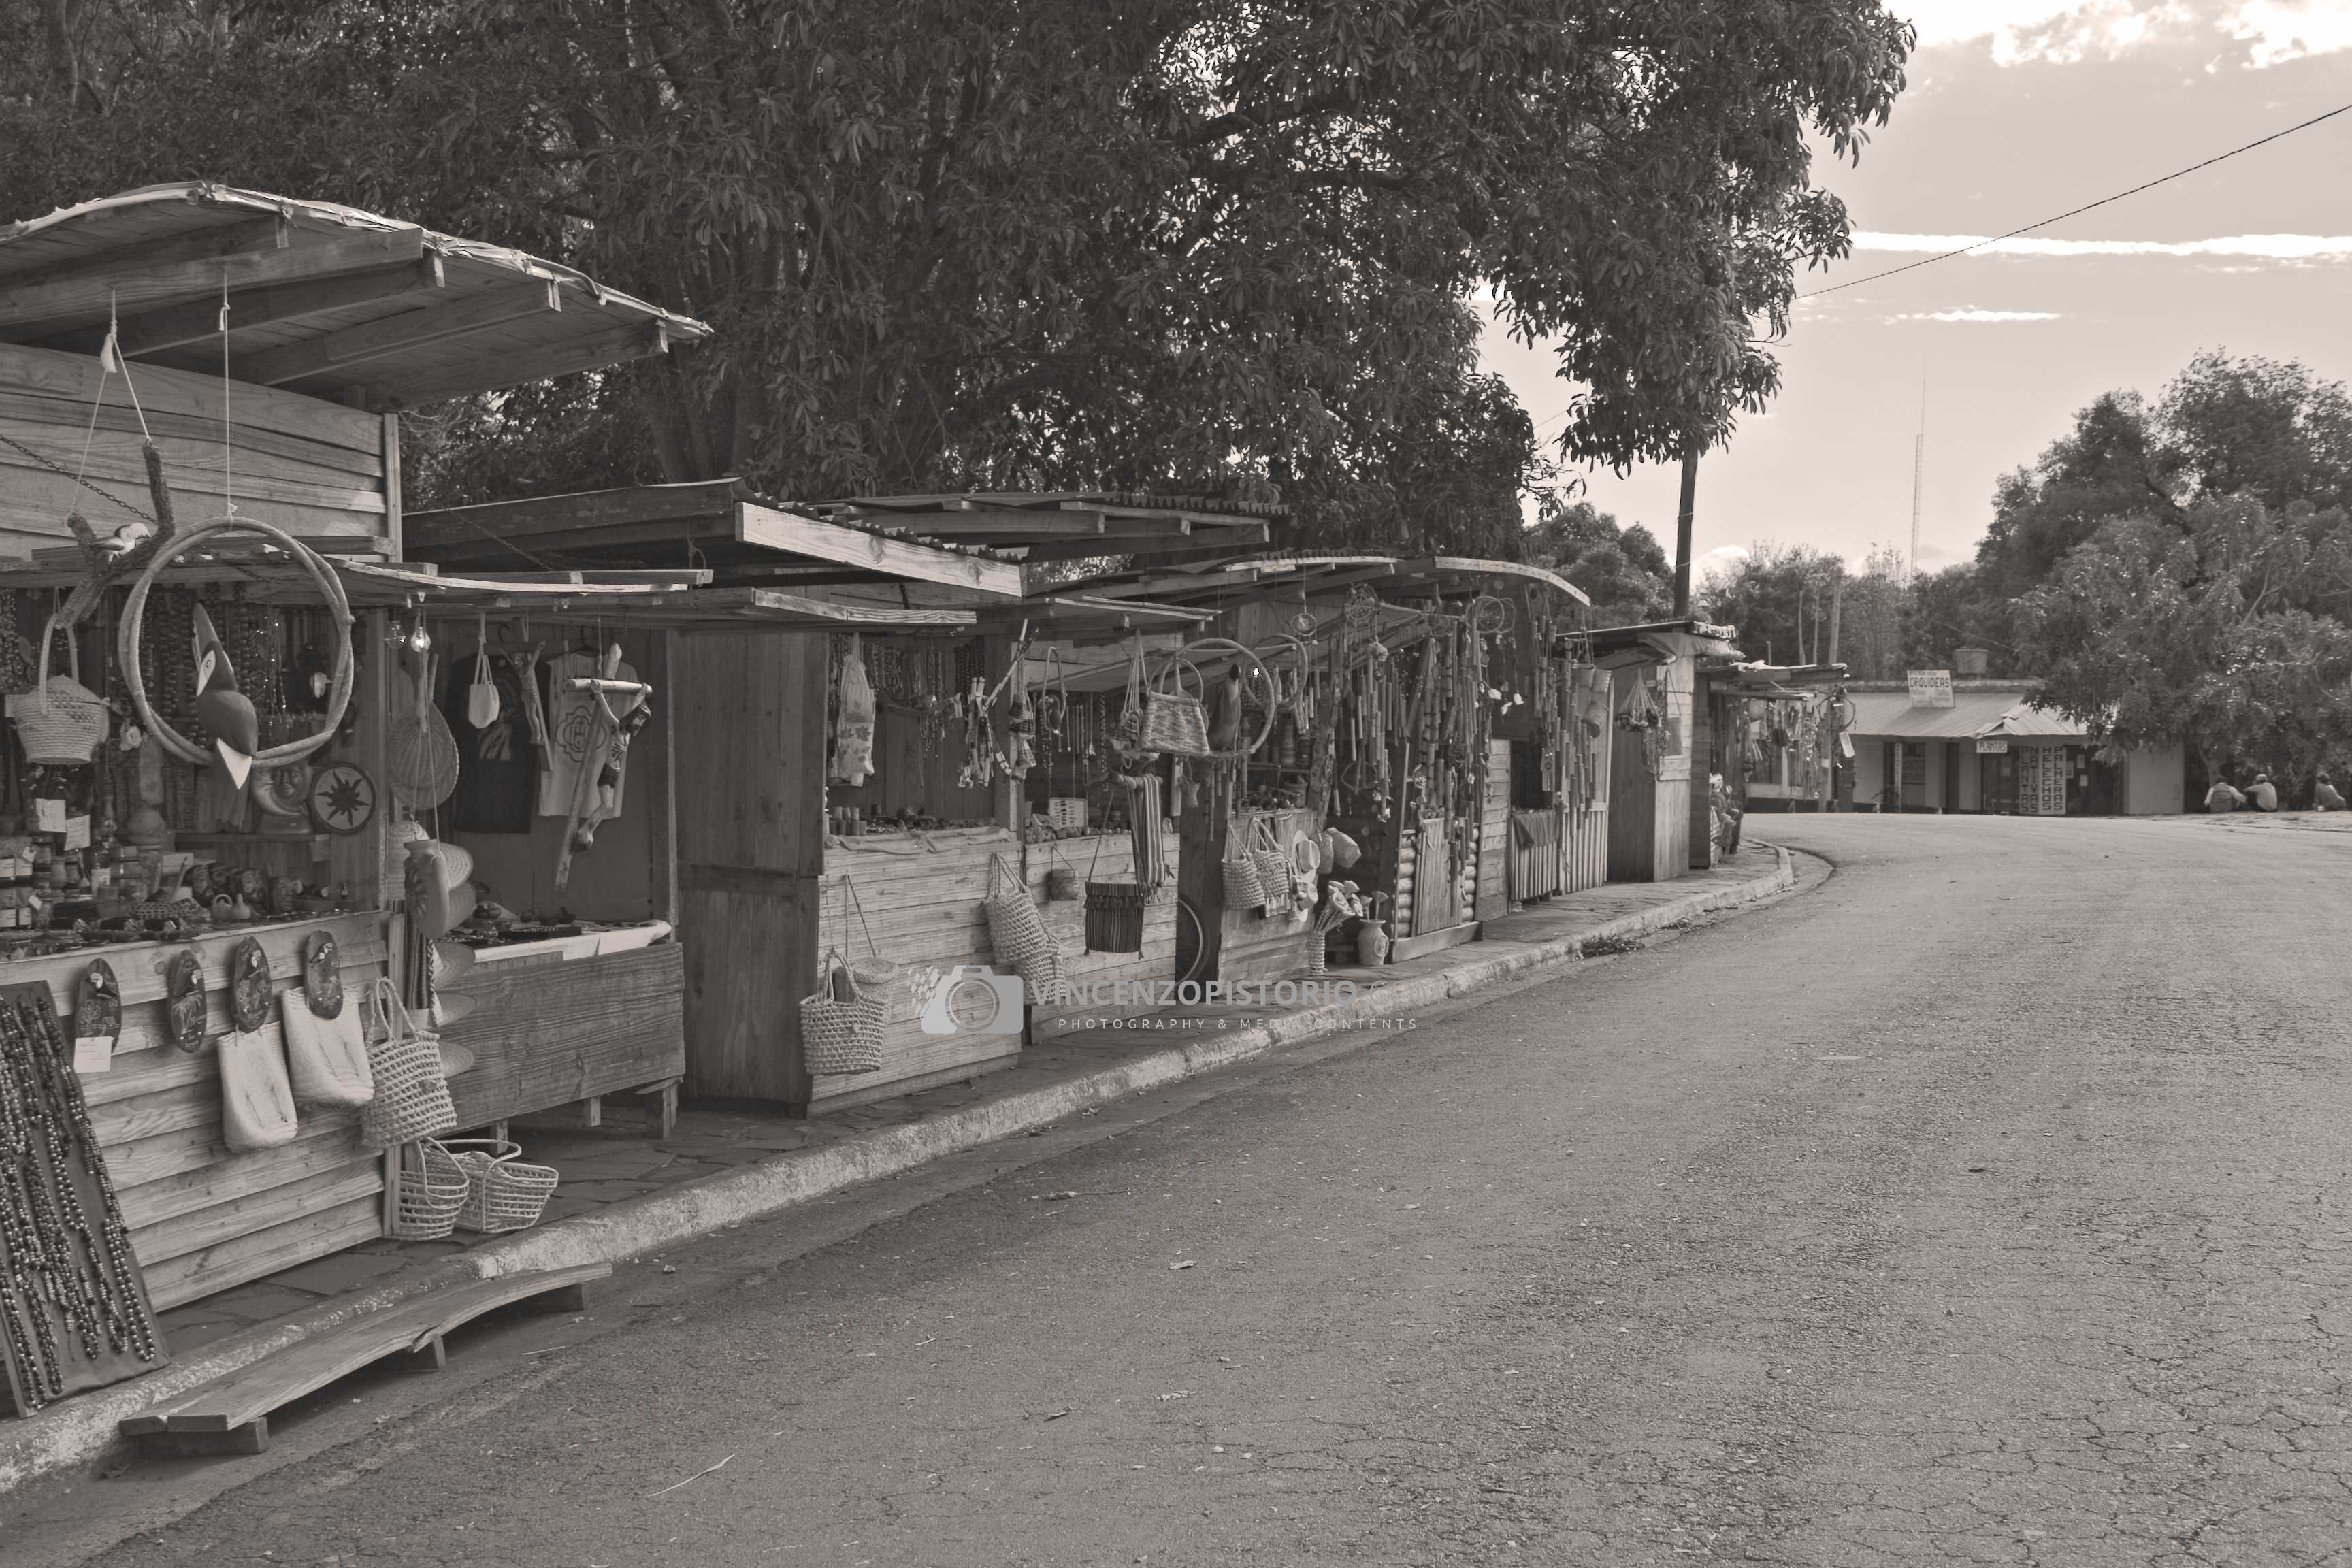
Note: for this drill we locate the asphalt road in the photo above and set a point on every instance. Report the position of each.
(1983, 1205)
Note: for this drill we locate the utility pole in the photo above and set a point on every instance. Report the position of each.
(1919, 469)
(1683, 530)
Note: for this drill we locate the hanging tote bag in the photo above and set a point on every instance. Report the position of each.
(326, 1058)
(411, 1098)
(1272, 865)
(256, 1104)
(62, 722)
(1114, 911)
(482, 696)
(840, 1024)
(1017, 936)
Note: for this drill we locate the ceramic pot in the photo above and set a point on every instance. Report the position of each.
(1371, 944)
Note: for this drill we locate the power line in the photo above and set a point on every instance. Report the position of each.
(2045, 223)
(2087, 206)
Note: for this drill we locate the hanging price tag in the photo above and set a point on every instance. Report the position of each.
(94, 1053)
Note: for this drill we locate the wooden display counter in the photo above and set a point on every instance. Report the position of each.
(555, 1028)
(202, 1219)
(923, 898)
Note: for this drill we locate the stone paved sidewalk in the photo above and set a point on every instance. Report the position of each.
(613, 1164)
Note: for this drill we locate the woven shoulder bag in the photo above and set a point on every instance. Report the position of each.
(412, 1098)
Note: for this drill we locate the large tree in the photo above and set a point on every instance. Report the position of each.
(1035, 243)
(2220, 630)
(1624, 571)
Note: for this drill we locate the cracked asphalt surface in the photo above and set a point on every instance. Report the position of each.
(1984, 1205)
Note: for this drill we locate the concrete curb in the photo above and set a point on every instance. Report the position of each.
(83, 1428)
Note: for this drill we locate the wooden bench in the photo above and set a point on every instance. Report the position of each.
(232, 1416)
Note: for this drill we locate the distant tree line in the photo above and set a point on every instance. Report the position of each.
(2174, 570)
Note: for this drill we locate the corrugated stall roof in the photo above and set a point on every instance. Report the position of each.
(1972, 714)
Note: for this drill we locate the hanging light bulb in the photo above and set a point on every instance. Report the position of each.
(420, 641)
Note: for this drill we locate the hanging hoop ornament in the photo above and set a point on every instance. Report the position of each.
(339, 607)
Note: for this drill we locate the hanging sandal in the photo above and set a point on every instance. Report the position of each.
(322, 975)
(183, 1005)
(248, 985)
(98, 1005)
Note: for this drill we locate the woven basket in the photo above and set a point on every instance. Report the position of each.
(1243, 890)
(1017, 937)
(429, 1189)
(841, 1025)
(1174, 721)
(1115, 916)
(501, 1192)
(62, 721)
(1273, 867)
(412, 1098)
(1318, 956)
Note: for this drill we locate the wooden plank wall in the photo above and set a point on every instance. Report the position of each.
(923, 906)
(550, 1032)
(308, 466)
(1633, 794)
(202, 1218)
(1494, 896)
(747, 712)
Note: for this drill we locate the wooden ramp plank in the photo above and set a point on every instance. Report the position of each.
(230, 1415)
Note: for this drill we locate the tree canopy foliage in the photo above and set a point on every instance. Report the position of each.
(1032, 244)
(1623, 569)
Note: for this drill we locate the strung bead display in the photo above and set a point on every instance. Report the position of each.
(62, 1261)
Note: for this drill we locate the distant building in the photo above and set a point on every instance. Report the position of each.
(1995, 750)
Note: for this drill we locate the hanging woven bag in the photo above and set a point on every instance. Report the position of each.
(412, 1096)
(1017, 937)
(1243, 890)
(1114, 912)
(62, 721)
(326, 1058)
(256, 1104)
(1272, 865)
(841, 1025)
(1174, 721)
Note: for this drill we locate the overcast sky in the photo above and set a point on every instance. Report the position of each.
(2017, 110)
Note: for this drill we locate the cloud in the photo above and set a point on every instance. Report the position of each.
(1981, 315)
(2061, 32)
(2267, 247)
(2283, 30)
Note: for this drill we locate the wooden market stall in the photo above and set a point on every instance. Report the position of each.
(791, 854)
(170, 359)
(1653, 801)
(1394, 679)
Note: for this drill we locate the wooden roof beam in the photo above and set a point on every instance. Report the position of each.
(223, 239)
(40, 308)
(175, 326)
(792, 534)
(638, 339)
(336, 353)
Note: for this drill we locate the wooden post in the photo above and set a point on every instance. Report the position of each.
(1683, 531)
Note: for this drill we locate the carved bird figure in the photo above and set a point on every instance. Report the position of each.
(225, 713)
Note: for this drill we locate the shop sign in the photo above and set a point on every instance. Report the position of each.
(1992, 745)
(1930, 687)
